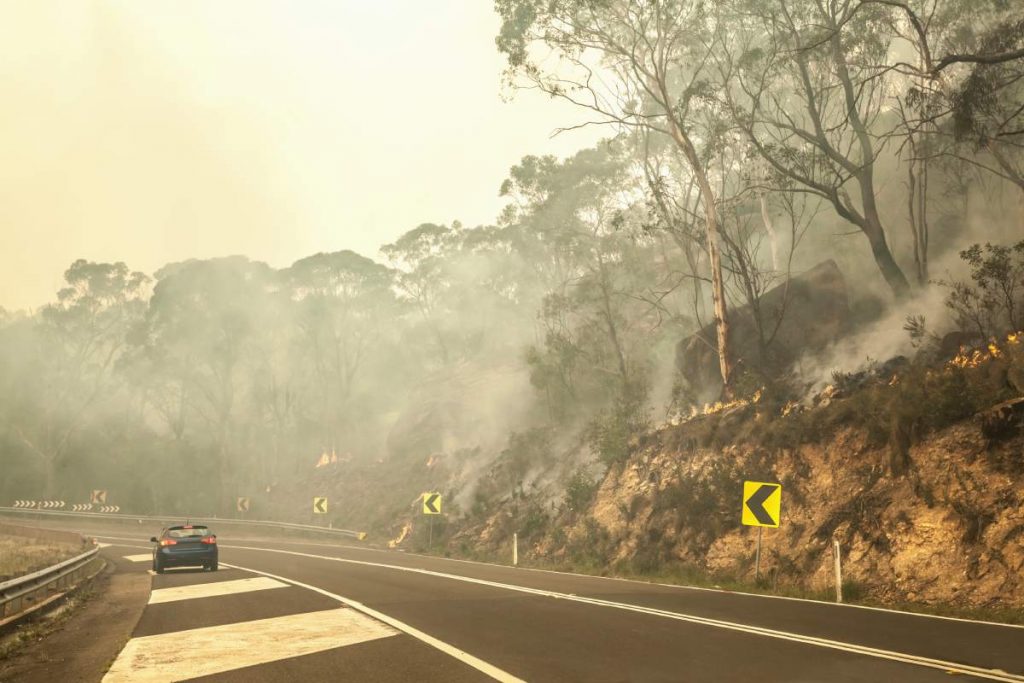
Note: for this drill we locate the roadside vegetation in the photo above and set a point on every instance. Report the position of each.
(20, 555)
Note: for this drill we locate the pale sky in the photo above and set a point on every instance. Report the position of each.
(149, 132)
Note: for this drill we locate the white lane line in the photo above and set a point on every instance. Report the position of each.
(949, 667)
(464, 657)
(182, 655)
(139, 558)
(210, 590)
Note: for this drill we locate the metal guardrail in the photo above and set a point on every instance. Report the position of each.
(164, 518)
(15, 593)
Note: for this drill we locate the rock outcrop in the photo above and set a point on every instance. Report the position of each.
(806, 313)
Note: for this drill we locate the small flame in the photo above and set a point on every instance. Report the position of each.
(719, 406)
(395, 542)
(973, 359)
(791, 407)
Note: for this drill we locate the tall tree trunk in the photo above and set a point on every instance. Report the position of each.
(890, 270)
(773, 238)
(873, 227)
(613, 333)
(714, 253)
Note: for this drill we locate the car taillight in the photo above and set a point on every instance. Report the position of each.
(168, 541)
(210, 540)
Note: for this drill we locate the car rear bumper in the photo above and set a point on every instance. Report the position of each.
(187, 558)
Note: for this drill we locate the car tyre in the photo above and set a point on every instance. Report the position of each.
(212, 567)
(158, 567)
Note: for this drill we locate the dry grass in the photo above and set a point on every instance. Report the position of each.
(20, 555)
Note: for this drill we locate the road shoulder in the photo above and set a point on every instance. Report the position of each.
(81, 643)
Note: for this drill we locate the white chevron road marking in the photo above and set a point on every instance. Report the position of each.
(182, 655)
(139, 558)
(210, 590)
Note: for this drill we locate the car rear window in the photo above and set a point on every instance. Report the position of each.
(188, 532)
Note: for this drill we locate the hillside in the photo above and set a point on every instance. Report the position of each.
(912, 470)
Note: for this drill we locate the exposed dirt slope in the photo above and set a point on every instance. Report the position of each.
(951, 529)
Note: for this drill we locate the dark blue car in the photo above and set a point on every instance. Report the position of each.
(189, 545)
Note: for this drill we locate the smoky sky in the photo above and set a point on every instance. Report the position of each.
(153, 132)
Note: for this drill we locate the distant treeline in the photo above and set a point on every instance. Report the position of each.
(751, 140)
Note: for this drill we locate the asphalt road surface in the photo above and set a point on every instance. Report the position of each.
(303, 611)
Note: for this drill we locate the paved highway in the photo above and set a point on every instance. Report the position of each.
(285, 610)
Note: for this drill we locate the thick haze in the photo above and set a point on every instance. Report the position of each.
(151, 133)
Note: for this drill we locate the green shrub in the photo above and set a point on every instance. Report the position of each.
(579, 491)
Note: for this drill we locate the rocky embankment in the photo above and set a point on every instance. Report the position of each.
(950, 529)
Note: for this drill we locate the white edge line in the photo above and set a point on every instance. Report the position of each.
(676, 586)
(708, 589)
(991, 674)
(464, 657)
(642, 582)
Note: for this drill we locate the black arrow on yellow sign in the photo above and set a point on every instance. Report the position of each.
(755, 503)
(430, 504)
(320, 506)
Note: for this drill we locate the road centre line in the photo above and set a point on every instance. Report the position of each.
(464, 657)
(949, 667)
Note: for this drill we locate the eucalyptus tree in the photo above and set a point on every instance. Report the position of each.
(802, 79)
(68, 370)
(420, 259)
(959, 96)
(201, 343)
(597, 330)
(635, 65)
(343, 306)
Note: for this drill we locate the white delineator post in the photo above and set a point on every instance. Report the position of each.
(515, 549)
(838, 569)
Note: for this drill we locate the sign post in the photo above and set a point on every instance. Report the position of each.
(757, 557)
(762, 506)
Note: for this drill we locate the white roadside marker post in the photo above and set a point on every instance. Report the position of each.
(515, 549)
(838, 569)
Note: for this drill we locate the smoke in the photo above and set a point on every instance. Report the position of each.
(876, 341)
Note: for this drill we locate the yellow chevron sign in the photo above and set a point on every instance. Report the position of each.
(431, 503)
(762, 503)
